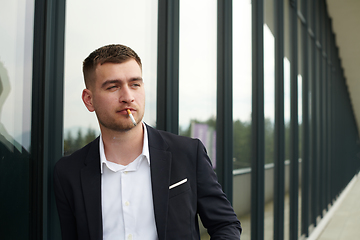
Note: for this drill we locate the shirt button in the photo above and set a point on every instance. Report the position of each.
(129, 237)
(127, 203)
(125, 172)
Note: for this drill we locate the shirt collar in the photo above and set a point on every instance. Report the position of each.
(145, 150)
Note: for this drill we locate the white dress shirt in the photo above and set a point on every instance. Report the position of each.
(126, 195)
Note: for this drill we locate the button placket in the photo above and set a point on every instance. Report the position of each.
(128, 212)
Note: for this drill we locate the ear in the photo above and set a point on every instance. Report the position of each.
(88, 99)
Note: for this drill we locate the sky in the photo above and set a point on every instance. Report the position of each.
(16, 36)
(197, 58)
(134, 23)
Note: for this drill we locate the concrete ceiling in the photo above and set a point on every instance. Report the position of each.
(345, 16)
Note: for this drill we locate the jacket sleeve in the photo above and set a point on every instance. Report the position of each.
(215, 211)
(67, 218)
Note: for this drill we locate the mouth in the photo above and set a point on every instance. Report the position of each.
(126, 111)
(131, 117)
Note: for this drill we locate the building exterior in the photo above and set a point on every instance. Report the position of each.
(261, 83)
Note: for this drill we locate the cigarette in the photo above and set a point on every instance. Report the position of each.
(131, 116)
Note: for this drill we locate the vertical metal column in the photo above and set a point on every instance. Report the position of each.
(257, 124)
(322, 106)
(168, 66)
(336, 115)
(294, 124)
(53, 114)
(313, 138)
(332, 121)
(318, 94)
(326, 99)
(224, 122)
(37, 123)
(331, 114)
(305, 124)
(47, 115)
(279, 132)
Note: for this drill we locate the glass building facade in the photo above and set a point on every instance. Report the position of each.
(260, 83)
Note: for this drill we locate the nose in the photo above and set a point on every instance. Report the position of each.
(126, 95)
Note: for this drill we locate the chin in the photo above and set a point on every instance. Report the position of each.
(118, 127)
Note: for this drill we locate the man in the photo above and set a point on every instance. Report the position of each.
(135, 182)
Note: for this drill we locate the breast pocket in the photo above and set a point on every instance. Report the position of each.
(179, 187)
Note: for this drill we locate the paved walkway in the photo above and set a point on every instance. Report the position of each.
(344, 221)
(341, 222)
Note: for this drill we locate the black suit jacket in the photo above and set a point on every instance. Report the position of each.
(77, 184)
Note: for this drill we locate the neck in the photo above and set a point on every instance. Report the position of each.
(123, 147)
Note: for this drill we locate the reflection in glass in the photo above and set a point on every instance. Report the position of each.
(16, 24)
(242, 76)
(269, 93)
(132, 23)
(197, 72)
(287, 109)
(242, 89)
(300, 116)
(300, 146)
(269, 112)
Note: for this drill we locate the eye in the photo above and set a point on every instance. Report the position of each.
(111, 87)
(136, 85)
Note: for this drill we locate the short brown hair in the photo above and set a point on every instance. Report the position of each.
(113, 53)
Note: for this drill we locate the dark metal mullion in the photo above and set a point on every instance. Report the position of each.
(320, 107)
(167, 114)
(279, 145)
(344, 122)
(37, 123)
(47, 115)
(351, 122)
(331, 117)
(257, 123)
(327, 99)
(305, 127)
(328, 109)
(324, 133)
(318, 96)
(224, 122)
(341, 146)
(53, 127)
(325, 104)
(335, 117)
(294, 125)
(337, 146)
(323, 108)
(340, 133)
(340, 166)
(333, 121)
(313, 138)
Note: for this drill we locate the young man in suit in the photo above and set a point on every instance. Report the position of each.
(133, 181)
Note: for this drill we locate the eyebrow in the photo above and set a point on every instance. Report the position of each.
(107, 82)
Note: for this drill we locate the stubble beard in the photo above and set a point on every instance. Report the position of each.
(120, 126)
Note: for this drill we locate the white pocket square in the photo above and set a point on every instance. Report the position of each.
(178, 183)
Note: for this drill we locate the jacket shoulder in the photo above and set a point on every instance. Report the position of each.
(171, 139)
(78, 158)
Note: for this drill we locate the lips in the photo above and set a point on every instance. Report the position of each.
(124, 110)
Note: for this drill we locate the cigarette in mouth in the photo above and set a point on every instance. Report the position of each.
(131, 116)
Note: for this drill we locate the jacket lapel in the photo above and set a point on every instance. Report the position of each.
(160, 179)
(91, 186)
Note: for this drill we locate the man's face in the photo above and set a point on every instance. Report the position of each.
(117, 87)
